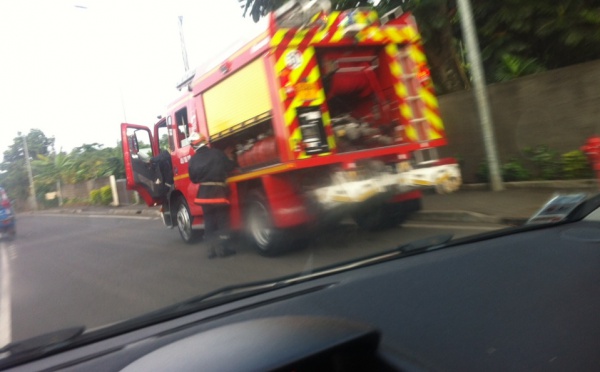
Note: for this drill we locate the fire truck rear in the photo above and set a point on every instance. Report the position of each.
(331, 114)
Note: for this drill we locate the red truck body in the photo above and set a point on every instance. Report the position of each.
(329, 113)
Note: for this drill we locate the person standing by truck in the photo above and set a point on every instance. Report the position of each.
(210, 167)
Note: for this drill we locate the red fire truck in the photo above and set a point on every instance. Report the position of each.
(331, 113)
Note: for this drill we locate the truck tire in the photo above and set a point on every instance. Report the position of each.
(268, 240)
(184, 222)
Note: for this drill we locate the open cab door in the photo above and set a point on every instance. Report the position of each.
(142, 175)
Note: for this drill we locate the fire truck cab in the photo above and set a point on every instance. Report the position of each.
(330, 112)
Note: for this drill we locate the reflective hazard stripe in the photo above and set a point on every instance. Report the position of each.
(430, 110)
(211, 201)
(306, 71)
(332, 31)
(296, 63)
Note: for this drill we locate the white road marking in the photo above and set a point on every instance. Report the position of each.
(5, 298)
(125, 217)
(113, 216)
(453, 227)
(12, 252)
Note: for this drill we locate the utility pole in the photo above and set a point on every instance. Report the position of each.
(479, 90)
(30, 174)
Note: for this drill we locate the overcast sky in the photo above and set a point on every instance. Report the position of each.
(77, 69)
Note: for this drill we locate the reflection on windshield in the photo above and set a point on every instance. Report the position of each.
(332, 136)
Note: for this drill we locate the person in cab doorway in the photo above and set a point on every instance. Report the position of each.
(210, 167)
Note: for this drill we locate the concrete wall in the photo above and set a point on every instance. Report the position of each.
(82, 190)
(126, 197)
(559, 108)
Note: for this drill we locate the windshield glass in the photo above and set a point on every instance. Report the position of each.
(322, 135)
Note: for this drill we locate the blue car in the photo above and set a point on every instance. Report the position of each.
(7, 217)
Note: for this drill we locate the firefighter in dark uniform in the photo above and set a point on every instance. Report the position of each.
(210, 167)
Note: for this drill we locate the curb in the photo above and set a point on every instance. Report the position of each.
(111, 211)
(591, 184)
(455, 215)
(141, 211)
(466, 216)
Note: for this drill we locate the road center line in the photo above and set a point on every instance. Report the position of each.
(5, 297)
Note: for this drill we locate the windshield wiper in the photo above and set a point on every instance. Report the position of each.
(249, 289)
(240, 291)
(25, 350)
(429, 243)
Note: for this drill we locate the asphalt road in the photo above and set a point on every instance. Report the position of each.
(67, 270)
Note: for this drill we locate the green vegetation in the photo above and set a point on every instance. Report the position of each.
(53, 168)
(95, 197)
(514, 170)
(106, 195)
(101, 196)
(575, 165)
(546, 162)
(542, 163)
(76, 202)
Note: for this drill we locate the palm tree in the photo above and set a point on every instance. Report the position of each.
(53, 171)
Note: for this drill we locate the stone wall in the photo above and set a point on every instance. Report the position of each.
(558, 108)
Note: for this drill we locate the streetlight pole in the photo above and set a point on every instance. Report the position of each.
(29, 174)
(186, 66)
(480, 92)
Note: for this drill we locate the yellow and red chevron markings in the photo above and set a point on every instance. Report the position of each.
(406, 38)
(306, 71)
(331, 31)
(296, 63)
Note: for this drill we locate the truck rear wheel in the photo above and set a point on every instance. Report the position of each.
(268, 239)
(184, 222)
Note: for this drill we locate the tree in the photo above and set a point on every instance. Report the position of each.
(14, 177)
(37, 143)
(437, 20)
(94, 161)
(51, 172)
(520, 37)
(52, 169)
(259, 8)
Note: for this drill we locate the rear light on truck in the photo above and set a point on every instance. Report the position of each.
(423, 74)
